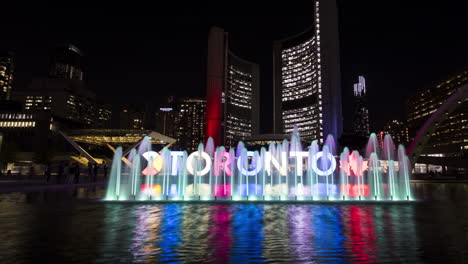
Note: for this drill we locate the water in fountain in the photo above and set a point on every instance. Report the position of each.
(283, 171)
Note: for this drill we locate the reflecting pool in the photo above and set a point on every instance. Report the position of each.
(75, 227)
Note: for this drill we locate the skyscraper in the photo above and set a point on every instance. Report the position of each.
(166, 116)
(132, 118)
(6, 74)
(64, 94)
(361, 112)
(67, 99)
(232, 112)
(190, 123)
(66, 63)
(451, 136)
(307, 79)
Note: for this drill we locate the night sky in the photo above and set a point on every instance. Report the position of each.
(137, 52)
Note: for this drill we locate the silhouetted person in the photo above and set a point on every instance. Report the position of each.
(60, 172)
(95, 172)
(47, 173)
(77, 173)
(90, 170)
(66, 173)
(9, 173)
(431, 174)
(105, 170)
(31, 172)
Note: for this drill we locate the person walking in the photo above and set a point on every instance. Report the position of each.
(66, 173)
(90, 170)
(31, 172)
(47, 173)
(60, 172)
(95, 173)
(77, 172)
(105, 170)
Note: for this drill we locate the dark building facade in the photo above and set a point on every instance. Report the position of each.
(166, 116)
(361, 111)
(66, 99)
(307, 78)
(64, 93)
(450, 136)
(7, 66)
(399, 132)
(66, 63)
(190, 123)
(232, 112)
(29, 132)
(103, 116)
(132, 118)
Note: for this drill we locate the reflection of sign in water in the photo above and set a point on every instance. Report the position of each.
(199, 163)
(151, 189)
(355, 190)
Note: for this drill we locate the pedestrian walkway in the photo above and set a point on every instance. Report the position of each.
(21, 183)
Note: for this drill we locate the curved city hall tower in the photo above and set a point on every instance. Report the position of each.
(232, 94)
(307, 79)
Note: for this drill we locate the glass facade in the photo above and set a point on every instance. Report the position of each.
(66, 63)
(301, 88)
(232, 93)
(190, 122)
(454, 131)
(307, 78)
(361, 112)
(132, 119)
(6, 75)
(165, 121)
(239, 100)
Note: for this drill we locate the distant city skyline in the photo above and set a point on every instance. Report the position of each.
(399, 48)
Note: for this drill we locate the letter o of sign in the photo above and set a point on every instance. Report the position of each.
(319, 171)
(205, 170)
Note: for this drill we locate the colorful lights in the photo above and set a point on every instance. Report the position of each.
(282, 173)
(156, 163)
(223, 164)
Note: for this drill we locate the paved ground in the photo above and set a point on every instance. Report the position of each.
(22, 183)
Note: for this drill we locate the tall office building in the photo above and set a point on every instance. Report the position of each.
(361, 112)
(6, 74)
(132, 118)
(232, 112)
(64, 92)
(65, 99)
(452, 135)
(103, 116)
(66, 63)
(398, 130)
(190, 123)
(166, 116)
(307, 79)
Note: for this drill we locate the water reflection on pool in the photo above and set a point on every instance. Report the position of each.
(63, 228)
(251, 233)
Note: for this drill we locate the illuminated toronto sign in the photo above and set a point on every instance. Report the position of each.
(283, 172)
(248, 165)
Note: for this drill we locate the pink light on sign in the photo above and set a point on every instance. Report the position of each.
(351, 166)
(222, 161)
